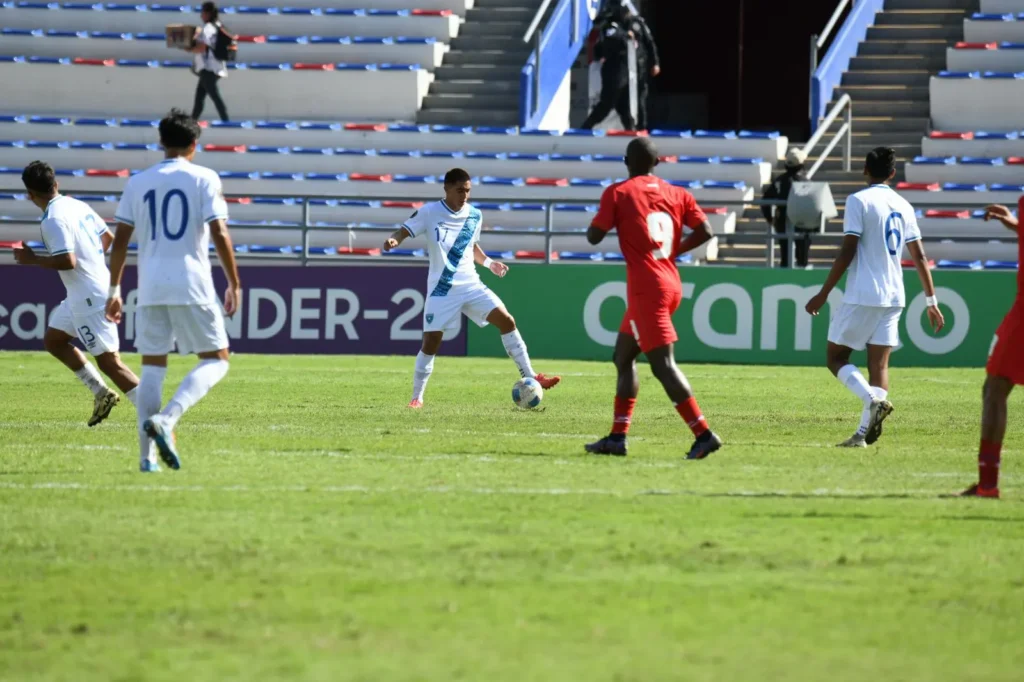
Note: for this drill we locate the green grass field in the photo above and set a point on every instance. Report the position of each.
(321, 531)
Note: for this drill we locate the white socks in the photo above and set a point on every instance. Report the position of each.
(424, 367)
(133, 397)
(865, 415)
(516, 349)
(851, 377)
(197, 384)
(90, 377)
(148, 396)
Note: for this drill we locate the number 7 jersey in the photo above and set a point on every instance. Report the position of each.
(648, 214)
(169, 205)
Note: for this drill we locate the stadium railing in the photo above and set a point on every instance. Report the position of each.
(825, 76)
(555, 48)
(845, 104)
(309, 255)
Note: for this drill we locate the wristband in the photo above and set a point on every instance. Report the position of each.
(931, 301)
(487, 262)
(115, 292)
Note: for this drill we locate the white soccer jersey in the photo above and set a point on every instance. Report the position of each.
(451, 236)
(71, 226)
(169, 205)
(885, 222)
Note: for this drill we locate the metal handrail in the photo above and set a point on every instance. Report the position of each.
(818, 42)
(537, 18)
(844, 103)
(534, 33)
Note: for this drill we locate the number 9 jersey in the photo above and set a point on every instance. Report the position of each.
(649, 215)
(169, 206)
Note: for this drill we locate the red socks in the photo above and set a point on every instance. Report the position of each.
(623, 414)
(691, 414)
(988, 464)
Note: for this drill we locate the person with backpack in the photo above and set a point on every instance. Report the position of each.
(213, 49)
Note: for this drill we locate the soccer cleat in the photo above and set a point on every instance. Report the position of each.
(608, 446)
(707, 443)
(854, 441)
(102, 405)
(415, 404)
(164, 439)
(148, 467)
(977, 491)
(880, 411)
(547, 382)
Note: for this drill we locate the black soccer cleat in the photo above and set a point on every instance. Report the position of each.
(705, 444)
(609, 445)
(880, 411)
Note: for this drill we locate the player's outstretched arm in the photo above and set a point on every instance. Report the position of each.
(24, 255)
(916, 249)
(118, 255)
(106, 239)
(847, 252)
(396, 239)
(480, 258)
(1003, 215)
(697, 238)
(226, 253)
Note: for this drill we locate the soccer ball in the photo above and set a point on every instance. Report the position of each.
(527, 393)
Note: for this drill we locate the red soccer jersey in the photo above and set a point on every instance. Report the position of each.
(649, 215)
(1019, 304)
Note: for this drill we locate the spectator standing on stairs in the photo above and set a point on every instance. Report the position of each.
(779, 189)
(617, 27)
(210, 60)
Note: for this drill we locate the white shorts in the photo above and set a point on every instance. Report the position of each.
(195, 328)
(442, 312)
(93, 329)
(858, 326)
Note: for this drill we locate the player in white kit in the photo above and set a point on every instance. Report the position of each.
(174, 209)
(452, 230)
(77, 239)
(878, 223)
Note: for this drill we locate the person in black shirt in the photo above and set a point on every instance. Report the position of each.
(779, 189)
(617, 26)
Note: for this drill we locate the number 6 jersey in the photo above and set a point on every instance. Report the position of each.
(169, 205)
(648, 214)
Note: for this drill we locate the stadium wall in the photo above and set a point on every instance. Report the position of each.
(741, 316)
(336, 310)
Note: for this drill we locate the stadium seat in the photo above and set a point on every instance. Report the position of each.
(954, 99)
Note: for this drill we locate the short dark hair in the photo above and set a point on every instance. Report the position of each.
(456, 176)
(178, 130)
(211, 9)
(641, 155)
(38, 177)
(881, 162)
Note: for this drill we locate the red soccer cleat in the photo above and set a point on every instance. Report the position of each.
(547, 382)
(415, 404)
(977, 491)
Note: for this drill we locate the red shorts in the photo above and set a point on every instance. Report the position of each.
(649, 318)
(1006, 359)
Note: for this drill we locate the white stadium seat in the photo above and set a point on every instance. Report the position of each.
(973, 144)
(286, 21)
(1005, 59)
(982, 31)
(1001, 6)
(96, 90)
(967, 170)
(977, 103)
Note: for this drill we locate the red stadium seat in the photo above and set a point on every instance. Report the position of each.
(533, 255)
(99, 173)
(237, 148)
(401, 204)
(907, 263)
(626, 133)
(239, 200)
(349, 251)
(936, 213)
(94, 62)
(962, 45)
(375, 127)
(312, 67)
(940, 135)
(11, 245)
(251, 39)
(431, 12)
(1015, 160)
(547, 182)
(923, 186)
(717, 210)
(369, 177)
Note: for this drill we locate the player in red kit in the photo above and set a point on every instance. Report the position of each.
(1005, 369)
(649, 215)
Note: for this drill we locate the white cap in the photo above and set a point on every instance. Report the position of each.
(796, 157)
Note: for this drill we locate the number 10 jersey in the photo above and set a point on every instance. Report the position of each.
(649, 215)
(169, 205)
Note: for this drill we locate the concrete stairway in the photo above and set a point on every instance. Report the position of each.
(478, 82)
(888, 82)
